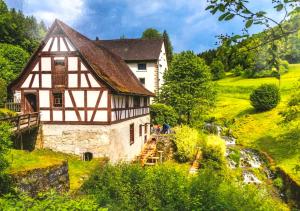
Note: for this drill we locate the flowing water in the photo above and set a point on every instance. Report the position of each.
(246, 159)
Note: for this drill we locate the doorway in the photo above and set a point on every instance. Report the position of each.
(30, 103)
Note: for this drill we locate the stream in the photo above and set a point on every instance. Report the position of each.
(248, 160)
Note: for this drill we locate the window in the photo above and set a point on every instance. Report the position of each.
(142, 80)
(146, 129)
(57, 100)
(59, 73)
(146, 101)
(141, 130)
(131, 136)
(136, 102)
(126, 101)
(142, 66)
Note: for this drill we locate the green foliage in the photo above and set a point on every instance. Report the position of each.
(278, 183)
(292, 111)
(187, 85)
(17, 29)
(46, 201)
(151, 33)
(130, 187)
(284, 66)
(161, 113)
(208, 56)
(5, 144)
(12, 60)
(265, 97)
(168, 187)
(168, 46)
(235, 155)
(3, 89)
(213, 152)
(238, 70)
(5, 113)
(187, 140)
(217, 70)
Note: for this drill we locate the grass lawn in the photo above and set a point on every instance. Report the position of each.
(78, 169)
(264, 130)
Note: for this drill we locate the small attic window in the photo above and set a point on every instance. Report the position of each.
(142, 66)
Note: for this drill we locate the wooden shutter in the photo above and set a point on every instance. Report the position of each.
(131, 134)
(59, 74)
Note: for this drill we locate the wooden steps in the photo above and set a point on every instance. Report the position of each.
(196, 165)
(148, 153)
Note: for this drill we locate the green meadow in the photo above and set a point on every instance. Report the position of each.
(264, 131)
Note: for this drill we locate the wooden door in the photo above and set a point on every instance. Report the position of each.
(30, 103)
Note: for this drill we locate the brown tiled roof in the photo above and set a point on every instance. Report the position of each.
(108, 66)
(133, 49)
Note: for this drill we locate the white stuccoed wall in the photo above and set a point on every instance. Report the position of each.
(102, 140)
(162, 65)
(147, 74)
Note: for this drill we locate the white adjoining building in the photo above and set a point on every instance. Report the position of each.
(145, 57)
(88, 98)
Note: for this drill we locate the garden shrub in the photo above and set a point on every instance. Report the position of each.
(283, 66)
(5, 144)
(3, 91)
(186, 140)
(130, 187)
(217, 69)
(161, 113)
(265, 97)
(292, 111)
(213, 152)
(168, 187)
(238, 70)
(4, 113)
(46, 201)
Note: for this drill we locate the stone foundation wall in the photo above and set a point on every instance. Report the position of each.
(110, 141)
(43, 179)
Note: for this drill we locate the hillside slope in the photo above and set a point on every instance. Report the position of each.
(263, 131)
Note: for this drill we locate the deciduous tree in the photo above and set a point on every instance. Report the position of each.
(187, 84)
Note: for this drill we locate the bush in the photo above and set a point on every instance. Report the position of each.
(292, 111)
(130, 187)
(7, 113)
(283, 66)
(238, 70)
(265, 97)
(217, 70)
(187, 140)
(3, 91)
(5, 143)
(47, 201)
(168, 187)
(161, 113)
(213, 152)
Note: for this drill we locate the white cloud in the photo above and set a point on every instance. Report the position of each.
(68, 11)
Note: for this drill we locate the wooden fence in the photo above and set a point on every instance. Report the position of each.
(13, 106)
(23, 122)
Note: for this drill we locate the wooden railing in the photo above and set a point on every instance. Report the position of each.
(13, 106)
(23, 122)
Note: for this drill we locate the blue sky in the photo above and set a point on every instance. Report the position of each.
(190, 27)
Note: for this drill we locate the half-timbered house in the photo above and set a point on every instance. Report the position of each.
(88, 98)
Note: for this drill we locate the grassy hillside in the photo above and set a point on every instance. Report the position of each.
(78, 169)
(264, 131)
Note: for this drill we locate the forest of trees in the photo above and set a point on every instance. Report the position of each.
(253, 56)
(20, 35)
